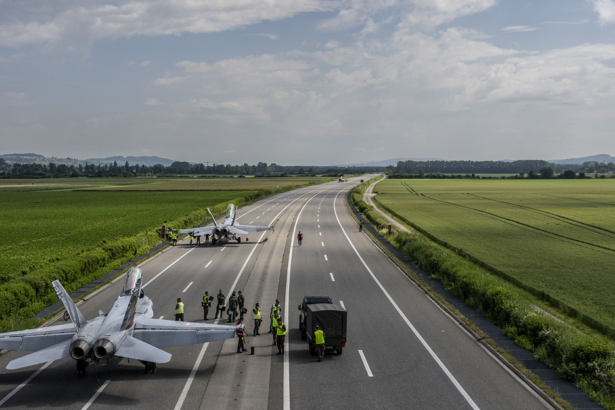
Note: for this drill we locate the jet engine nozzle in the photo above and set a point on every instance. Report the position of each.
(103, 349)
(80, 349)
(225, 231)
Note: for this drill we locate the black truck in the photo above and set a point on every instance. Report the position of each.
(330, 317)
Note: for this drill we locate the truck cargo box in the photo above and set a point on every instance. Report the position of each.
(332, 320)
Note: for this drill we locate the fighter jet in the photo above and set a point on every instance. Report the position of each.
(227, 229)
(125, 331)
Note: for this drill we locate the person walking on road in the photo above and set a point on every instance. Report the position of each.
(258, 318)
(232, 308)
(191, 237)
(319, 339)
(220, 305)
(274, 308)
(179, 310)
(198, 240)
(240, 331)
(300, 238)
(361, 226)
(281, 332)
(241, 301)
(207, 239)
(174, 238)
(206, 304)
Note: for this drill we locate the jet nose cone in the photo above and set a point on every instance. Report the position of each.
(103, 349)
(80, 349)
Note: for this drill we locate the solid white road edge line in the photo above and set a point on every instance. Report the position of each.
(89, 403)
(286, 390)
(410, 325)
(369, 372)
(21, 386)
(184, 393)
(208, 263)
(332, 278)
(190, 284)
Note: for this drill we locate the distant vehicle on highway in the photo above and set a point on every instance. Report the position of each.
(330, 317)
(343, 180)
(126, 331)
(227, 229)
(361, 180)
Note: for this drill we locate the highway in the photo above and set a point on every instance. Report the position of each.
(403, 351)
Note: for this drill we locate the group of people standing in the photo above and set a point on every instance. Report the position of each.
(236, 308)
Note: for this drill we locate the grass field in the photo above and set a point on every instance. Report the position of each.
(555, 236)
(40, 226)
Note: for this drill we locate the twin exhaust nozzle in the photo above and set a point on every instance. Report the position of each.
(102, 349)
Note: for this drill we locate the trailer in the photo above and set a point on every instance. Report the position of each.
(332, 320)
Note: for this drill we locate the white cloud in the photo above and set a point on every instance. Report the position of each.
(144, 63)
(269, 36)
(518, 29)
(431, 13)
(131, 63)
(73, 24)
(169, 80)
(152, 101)
(584, 21)
(605, 10)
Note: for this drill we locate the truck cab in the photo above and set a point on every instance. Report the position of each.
(309, 300)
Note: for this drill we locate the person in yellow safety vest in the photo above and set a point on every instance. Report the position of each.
(174, 237)
(191, 237)
(179, 310)
(274, 325)
(274, 309)
(206, 304)
(319, 340)
(281, 332)
(258, 318)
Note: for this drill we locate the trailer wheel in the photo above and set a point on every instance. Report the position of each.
(339, 351)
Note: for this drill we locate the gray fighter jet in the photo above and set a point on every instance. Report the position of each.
(227, 229)
(126, 331)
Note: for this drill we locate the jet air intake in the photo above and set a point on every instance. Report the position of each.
(104, 349)
(80, 349)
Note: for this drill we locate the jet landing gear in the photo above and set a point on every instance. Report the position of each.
(81, 365)
(150, 367)
(238, 240)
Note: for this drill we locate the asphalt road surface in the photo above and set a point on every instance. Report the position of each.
(403, 351)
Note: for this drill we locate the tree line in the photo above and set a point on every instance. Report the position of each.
(176, 168)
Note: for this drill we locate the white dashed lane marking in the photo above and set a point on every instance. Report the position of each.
(160, 317)
(222, 249)
(190, 284)
(323, 244)
(89, 403)
(209, 263)
(326, 258)
(342, 305)
(332, 278)
(369, 372)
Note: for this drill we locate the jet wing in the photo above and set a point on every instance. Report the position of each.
(252, 228)
(169, 333)
(199, 231)
(54, 352)
(36, 339)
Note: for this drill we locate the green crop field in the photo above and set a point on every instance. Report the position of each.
(45, 225)
(556, 236)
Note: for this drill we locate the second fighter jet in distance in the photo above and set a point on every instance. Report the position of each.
(227, 229)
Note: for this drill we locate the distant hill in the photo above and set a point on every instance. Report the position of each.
(387, 162)
(598, 158)
(149, 161)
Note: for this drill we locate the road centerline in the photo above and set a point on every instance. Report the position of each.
(89, 403)
(369, 372)
(332, 278)
(190, 284)
(208, 263)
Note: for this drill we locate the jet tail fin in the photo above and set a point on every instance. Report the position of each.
(212, 217)
(134, 348)
(70, 306)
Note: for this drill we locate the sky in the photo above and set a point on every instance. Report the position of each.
(318, 82)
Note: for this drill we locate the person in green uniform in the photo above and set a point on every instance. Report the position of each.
(361, 226)
(281, 332)
(319, 339)
(206, 304)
